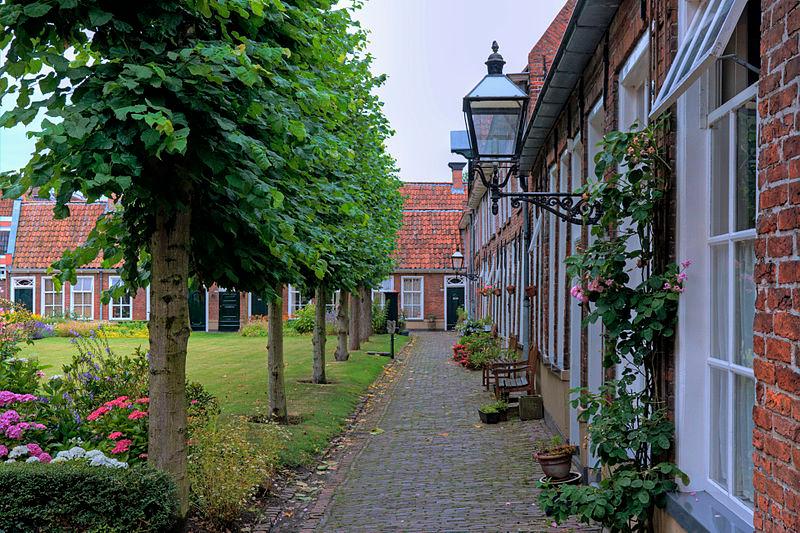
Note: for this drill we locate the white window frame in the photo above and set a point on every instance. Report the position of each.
(295, 300)
(112, 280)
(72, 292)
(44, 292)
(712, 42)
(551, 275)
(17, 279)
(634, 86)
(421, 291)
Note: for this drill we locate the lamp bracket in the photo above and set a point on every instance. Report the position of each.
(570, 207)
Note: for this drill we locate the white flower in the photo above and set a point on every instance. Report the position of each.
(91, 454)
(10, 461)
(18, 451)
(59, 459)
(56, 376)
(77, 451)
(32, 460)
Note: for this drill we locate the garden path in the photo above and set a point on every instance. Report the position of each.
(434, 467)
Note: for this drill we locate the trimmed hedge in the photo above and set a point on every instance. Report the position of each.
(68, 497)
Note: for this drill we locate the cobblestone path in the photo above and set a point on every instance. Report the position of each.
(435, 467)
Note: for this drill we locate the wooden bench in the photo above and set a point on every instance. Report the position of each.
(516, 376)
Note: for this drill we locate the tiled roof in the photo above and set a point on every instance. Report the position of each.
(429, 234)
(41, 239)
(6, 207)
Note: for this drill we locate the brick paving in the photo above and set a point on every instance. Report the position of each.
(435, 467)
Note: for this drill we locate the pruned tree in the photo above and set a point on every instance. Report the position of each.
(342, 354)
(276, 387)
(319, 336)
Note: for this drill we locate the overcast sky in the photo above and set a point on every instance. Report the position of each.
(433, 52)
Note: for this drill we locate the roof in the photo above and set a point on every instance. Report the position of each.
(429, 234)
(6, 207)
(41, 239)
(587, 25)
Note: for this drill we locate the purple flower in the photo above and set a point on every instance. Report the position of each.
(3, 451)
(34, 449)
(686, 264)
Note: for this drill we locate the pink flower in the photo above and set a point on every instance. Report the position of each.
(682, 276)
(142, 401)
(122, 446)
(114, 435)
(193, 402)
(667, 286)
(34, 449)
(686, 264)
(136, 415)
(40, 374)
(97, 413)
(142, 456)
(45, 457)
(3, 451)
(677, 288)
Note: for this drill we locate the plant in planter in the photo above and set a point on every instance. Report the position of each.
(431, 321)
(497, 291)
(492, 413)
(530, 291)
(511, 288)
(555, 457)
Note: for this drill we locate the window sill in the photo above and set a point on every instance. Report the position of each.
(700, 512)
(561, 374)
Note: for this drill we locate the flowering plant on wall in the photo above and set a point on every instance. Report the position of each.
(625, 282)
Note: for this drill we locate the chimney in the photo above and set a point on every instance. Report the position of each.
(457, 169)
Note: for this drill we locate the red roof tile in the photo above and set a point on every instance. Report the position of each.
(6, 207)
(41, 239)
(429, 234)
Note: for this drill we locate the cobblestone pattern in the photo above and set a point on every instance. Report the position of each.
(435, 467)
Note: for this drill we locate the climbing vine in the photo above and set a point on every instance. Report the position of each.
(636, 301)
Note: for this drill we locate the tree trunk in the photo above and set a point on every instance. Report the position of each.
(341, 353)
(355, 311)
(169, 336)
(276, 389)
(319, 338)
(366, 314)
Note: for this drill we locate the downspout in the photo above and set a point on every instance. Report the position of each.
(526, 305)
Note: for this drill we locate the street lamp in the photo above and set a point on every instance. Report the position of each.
(457, 262)
(495, 112)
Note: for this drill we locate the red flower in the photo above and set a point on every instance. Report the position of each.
(122, 446)
(97, 413)
(115, 435)
(142, 401)
(136, 415)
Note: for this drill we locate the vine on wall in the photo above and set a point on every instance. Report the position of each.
(628, 427)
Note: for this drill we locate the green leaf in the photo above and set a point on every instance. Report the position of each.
(297, 129)
(122, 112)
(98, 17)
(37, 9)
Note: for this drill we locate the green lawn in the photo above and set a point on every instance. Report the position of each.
(234, 368)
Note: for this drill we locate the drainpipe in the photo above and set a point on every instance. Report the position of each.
(526, 304)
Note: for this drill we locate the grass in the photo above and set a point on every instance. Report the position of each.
(234, 368)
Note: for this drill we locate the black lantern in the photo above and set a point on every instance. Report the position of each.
(495, 113)
(457, 260)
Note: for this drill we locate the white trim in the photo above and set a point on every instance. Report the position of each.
(72, 297)
(43, 292)
(147, 303)
(111, 303)
(734, 103)
(32, 279)
(206, 302)
(421, 296)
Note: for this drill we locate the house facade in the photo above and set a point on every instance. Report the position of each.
(727, 71)
(429, 293)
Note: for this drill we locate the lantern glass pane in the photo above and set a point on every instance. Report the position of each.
(496, 130)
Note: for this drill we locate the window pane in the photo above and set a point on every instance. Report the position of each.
(720, 176)
(719, 301)
(745, 307)
(746, 167)
(718, 435)
(744, 399)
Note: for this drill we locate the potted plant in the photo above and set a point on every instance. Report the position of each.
(431, 321)
(492, 413)
(511, 288)
(555, 457)
(530, 291)
(497, 291)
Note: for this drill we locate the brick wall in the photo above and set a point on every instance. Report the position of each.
(776, 437)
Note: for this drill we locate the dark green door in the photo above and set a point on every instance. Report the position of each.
(197, 310)
(229, 311)
(258, 305)
(455, 299)
(24, 296)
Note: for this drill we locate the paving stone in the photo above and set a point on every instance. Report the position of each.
(435, 467)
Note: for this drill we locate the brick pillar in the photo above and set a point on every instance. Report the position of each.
(457, 174)
(776, 437)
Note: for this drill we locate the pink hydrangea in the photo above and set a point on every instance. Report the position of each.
(97, 413)
(123, 445)
(3, 451)
(8, 397)
(45, 457)
(34, 449)
(136, 415)
(114, 435)
(142, 401)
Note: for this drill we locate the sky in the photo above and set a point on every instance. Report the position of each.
(433, 52)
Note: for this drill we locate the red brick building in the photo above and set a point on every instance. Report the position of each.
(428, 292)
(728, 73)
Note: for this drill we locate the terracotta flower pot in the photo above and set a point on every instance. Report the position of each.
(530, 291)
(497, 291)
(555, 466)
(511, 289)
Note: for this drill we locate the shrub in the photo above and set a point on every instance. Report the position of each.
(228, 463)
(112, 330)
(470, 326)
(256, 327)
(71, 497)
(379, 317)
(202, 406)
(480, 349)
(303, 321)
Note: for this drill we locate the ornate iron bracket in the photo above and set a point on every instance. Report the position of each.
(571, 207)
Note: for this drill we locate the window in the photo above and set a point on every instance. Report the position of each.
(52, 299)
(634, 90)
(5, 233)
(710, 29)
(411, 296)
(733, 293)
(551, 275)
(297, 300)
(82, 298)
(560, 270)
(119, 308)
